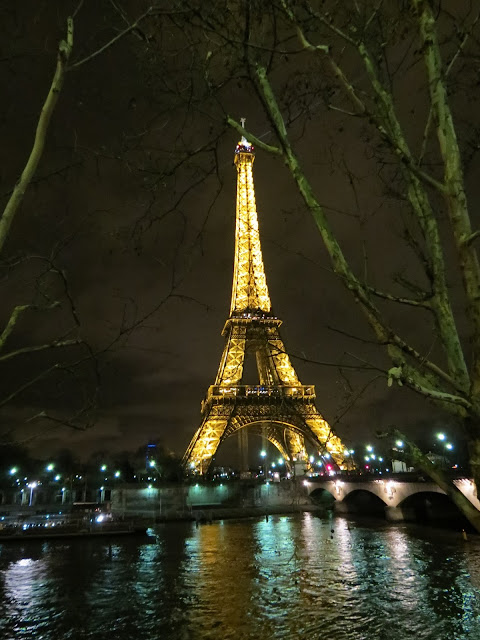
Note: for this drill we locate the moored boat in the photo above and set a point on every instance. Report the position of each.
(22, 527)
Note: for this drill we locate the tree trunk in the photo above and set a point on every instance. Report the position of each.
(438, 476)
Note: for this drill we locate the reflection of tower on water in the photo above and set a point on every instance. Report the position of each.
(277, 406)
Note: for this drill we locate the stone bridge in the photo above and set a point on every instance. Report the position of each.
(397, 498)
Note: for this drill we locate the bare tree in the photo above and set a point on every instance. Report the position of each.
(46, 322)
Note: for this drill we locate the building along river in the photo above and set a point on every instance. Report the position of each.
(288, 577)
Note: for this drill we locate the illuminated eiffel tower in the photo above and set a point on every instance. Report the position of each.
(279, 407)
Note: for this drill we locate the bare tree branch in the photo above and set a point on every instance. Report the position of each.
(111, 42)
(16, 313)
(13, 204)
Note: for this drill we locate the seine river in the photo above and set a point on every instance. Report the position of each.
(290, 577)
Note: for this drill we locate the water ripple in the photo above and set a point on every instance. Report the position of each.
(288, 578)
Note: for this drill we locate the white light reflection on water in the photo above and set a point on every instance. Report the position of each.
(25, 606)
(21, 580)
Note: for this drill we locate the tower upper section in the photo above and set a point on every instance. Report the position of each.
(249, 291)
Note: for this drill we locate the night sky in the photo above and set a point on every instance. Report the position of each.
(137, 240)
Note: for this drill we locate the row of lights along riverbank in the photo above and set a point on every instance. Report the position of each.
(273, 467)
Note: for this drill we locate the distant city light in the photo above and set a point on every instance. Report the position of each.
(57, 477)
(50, 467)
(449, 446)
(441, 436)
(369, 447)
(13, 471)
(103, 467)
(117, 474)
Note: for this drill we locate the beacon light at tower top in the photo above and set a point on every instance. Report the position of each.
(244, 146)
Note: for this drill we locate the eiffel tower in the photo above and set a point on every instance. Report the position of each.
(279, 408)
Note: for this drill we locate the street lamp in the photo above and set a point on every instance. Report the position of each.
(31, 486)
(153, 466)
(50, 466)
(441, 436)
(399, 443)
(263, 454)
(13, 471)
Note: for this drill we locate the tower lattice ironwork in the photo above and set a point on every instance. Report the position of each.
(279, 406)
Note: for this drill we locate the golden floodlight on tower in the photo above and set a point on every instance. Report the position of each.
(276, 405)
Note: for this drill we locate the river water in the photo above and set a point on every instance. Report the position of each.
(289, 578)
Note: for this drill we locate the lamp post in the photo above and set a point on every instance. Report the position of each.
(32, 486)
(448, 447)
(153, 467)
(263, 455)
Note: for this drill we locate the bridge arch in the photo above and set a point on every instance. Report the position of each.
(275, 431)
(322, 497)
(430, 507)
(365, 502)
